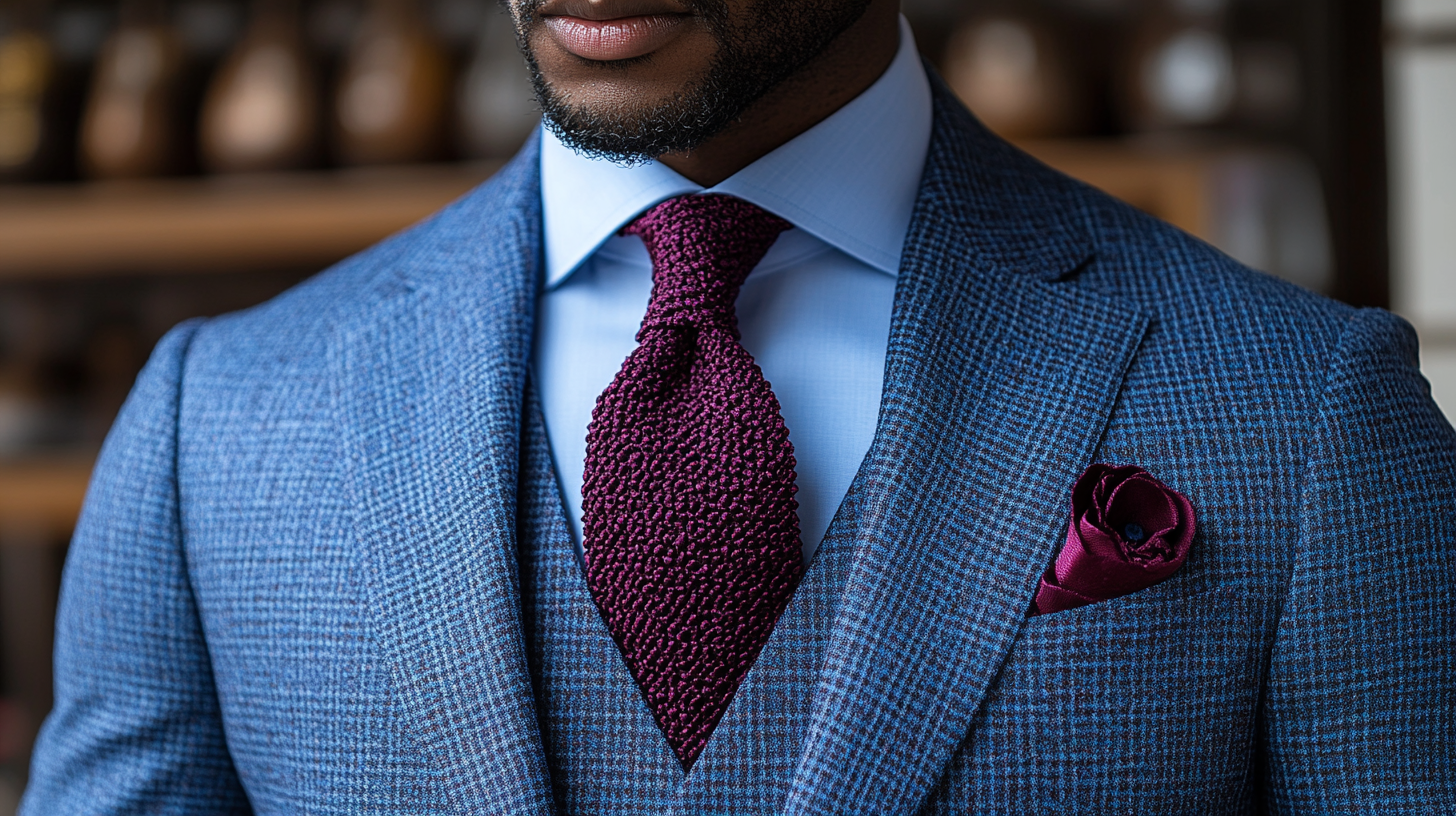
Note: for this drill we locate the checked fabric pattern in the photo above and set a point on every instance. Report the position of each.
(690, 526)
(294, 585)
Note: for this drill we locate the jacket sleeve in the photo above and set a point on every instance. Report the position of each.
(1360, 707)
(136, 726)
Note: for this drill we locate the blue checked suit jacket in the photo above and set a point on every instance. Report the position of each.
(295, 585)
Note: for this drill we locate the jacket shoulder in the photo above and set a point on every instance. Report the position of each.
(1177, 276)
(295, 325)
(984, 196)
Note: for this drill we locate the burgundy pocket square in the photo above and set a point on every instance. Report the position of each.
(1128, 532)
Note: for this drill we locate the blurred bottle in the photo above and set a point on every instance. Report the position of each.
(22, 410)
(1269, 89)
(46, 61)
(131, 124)
(28, 78)
(457, 23)
(77, 29)
(495, 106)
(261, 112)
(393, 92)
(1180, 71)
(27, 410)
(1101, 8)
(208, 30)
(332, 26)
(1009, 70)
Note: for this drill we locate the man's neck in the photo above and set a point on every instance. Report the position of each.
(851, 63)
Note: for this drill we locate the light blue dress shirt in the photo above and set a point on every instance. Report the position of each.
(815, 313)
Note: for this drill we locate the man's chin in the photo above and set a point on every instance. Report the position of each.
(634, 135)
(595, 144)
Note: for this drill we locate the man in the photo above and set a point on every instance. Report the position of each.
(549, 506)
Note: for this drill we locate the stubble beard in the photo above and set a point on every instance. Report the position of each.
(778, 39)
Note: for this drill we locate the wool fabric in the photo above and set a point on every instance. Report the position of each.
(690, 526)
(297, 583)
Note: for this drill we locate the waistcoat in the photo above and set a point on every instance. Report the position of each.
(605, 752)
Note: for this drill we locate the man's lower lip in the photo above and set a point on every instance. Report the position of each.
(619, 39)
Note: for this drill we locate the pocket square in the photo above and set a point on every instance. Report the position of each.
(1128, 531)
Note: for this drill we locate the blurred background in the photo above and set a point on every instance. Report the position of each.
(161, 159)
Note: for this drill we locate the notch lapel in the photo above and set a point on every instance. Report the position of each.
(1000, 378)
(432, 417)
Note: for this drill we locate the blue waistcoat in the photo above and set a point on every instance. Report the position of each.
(606, 754)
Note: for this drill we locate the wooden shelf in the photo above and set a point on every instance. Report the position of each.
(43, 494)
(308, 220)
(297, 220)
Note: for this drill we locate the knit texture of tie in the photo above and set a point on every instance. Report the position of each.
(690, 526)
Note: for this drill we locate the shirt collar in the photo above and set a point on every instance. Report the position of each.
(850, 181)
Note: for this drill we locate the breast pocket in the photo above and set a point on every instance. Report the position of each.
(1143, 704)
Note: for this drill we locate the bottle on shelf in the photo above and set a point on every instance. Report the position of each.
(1179, 73)
(27, 89)
(457, 23)
(331, 26)
(1008, 67)
(495, 106)
(392, 96)
(47, 55)
(209, 30)
(1269, 82)
(261, 111)
(131, 124)
(22, 410)
(35, 412)
(77, 32)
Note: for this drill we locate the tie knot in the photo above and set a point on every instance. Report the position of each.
(702, 249)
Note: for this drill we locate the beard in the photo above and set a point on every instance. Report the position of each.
(753, 55)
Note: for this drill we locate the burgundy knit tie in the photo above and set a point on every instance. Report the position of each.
(690, 526)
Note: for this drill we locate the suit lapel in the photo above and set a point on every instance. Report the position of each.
(432, 418)
(1001, 374)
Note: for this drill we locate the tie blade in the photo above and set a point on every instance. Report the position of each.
(691, 532)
